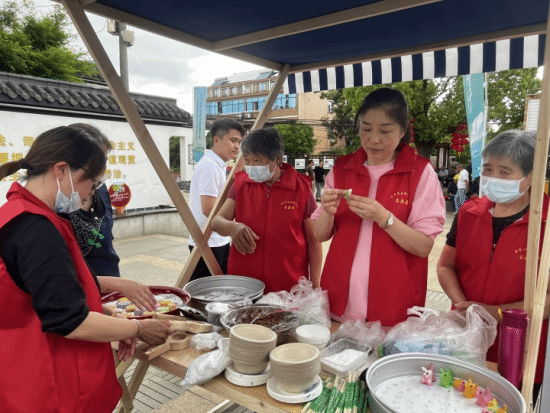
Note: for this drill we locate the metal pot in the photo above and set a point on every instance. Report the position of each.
(398, 365)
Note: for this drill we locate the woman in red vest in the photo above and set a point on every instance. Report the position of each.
(483, 261)
(267, 214)
(55, 355)
(383, 230)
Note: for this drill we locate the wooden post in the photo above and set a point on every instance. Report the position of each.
(258, 124)
(535, 287)
(88, 35)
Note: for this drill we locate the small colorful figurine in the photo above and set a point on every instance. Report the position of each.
(459, 385)
(470, 389)
(428, 376)
(483, 396)
(492, 406)
(446, 378)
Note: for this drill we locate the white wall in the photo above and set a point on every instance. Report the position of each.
(147, 190)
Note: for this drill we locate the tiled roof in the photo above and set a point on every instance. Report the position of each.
(54, 94)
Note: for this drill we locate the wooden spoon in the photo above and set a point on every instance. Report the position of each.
(177, 341)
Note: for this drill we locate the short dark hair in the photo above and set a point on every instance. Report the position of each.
(393, 103)
(310, 162)
(95, 133)
(220, 128)
(516, 145)
(74, 145)
(266, 142)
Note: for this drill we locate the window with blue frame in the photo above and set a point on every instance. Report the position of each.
(255, 103)
(225, 107)
(285, 101)
(212, 108)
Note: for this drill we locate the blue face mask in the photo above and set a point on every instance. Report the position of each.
(501, 191)
(259, 173)
(65, 204)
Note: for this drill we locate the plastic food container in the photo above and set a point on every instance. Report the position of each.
(215, 311)
(403, 365)
(313, 334)
(336, 358)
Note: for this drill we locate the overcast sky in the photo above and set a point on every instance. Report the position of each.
(160, 66)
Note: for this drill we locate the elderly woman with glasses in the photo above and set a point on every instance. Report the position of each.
(483, 261)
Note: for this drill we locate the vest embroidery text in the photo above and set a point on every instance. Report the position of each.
(289, 205)
(400, 198)
(522, 252)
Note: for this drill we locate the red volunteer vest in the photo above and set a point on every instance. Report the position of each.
(499, 280)
(276, 215)
(45, 372)
(398, 279)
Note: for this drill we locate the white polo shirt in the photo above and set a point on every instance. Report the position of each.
(208, 179)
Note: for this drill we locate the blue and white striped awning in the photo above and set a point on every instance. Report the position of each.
(518, 53)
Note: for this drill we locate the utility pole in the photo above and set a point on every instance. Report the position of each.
(125, 40)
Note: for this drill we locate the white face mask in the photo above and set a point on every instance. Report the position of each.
(501, 191)
(63, 203)
(259, 173)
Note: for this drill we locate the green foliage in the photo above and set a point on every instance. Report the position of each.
(39, 45)
(297, 138)
(174, 153)
(438, 107)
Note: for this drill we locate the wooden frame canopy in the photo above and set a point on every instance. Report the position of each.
(293, 38)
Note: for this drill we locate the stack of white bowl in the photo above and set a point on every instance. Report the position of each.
(295, 366)
(249, 347)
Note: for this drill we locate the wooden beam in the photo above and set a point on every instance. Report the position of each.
(85, 2)
(88, 35)
(430, 47)
(259, 123)
(316, 23)
(536, 287)
(171, 33)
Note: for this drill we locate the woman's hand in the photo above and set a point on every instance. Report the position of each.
(243, 238)
(137, 293)
(368, 209)
(126, 349)
(491, 309)
(154, 328)
(330, 199)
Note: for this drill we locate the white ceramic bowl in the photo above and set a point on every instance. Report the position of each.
(313, 334)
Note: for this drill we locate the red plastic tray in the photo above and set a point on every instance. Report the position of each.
(155, 289)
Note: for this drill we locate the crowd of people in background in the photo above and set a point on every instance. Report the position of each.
(457, 183)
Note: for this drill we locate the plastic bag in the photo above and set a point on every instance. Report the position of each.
(370, 333)
(467, 336)
(310, 304)
(206, 341)
(207, 366)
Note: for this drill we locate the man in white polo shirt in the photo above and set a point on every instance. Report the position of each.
(207, 183)
(462, 185)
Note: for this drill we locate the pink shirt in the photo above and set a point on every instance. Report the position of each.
(427, 216)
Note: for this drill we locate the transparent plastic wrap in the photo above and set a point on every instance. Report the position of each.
(309, 303)
(467, 335)
(205, 341)
(207, 366)
(278, 319)
(370, 333)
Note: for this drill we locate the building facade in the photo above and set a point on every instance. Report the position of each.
(242, 96)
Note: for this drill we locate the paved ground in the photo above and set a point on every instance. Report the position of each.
(159, 260)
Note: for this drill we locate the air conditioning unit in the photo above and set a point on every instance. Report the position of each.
(248, 115)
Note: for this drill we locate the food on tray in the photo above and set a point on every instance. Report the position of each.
(167, 303)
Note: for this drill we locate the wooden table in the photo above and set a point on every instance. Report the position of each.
(177, 363)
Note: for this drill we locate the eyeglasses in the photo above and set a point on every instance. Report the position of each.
(97, 184)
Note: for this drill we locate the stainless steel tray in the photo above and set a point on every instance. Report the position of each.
(223, 288)
(409, 364)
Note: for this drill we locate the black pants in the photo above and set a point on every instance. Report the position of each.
(222, 256)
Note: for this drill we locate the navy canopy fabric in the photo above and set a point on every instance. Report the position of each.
(508, 54)
(420, 42)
